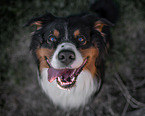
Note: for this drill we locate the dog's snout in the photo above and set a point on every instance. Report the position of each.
(66, 57)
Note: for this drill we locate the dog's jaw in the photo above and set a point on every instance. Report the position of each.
(78, 95)
(85, 85)
(73, 98)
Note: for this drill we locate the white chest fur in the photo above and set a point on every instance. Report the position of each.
(73, 98)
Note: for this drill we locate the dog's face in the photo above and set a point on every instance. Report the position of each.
(66, 48)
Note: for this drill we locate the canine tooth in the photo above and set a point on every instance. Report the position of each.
(73, 79)
(59, 79)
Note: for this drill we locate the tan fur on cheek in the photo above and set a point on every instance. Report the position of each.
(41, 53)
(93, 54)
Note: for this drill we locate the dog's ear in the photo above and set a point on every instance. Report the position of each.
(40, 21)
(99, 24)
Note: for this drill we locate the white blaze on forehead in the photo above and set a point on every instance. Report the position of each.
(66, 46)
(66, 31)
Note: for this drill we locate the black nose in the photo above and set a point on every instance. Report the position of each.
(66, 56)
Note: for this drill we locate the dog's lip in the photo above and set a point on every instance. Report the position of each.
(65, 73)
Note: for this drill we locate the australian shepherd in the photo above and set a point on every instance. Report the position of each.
(69, 52)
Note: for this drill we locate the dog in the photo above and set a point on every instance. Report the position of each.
(69, 52)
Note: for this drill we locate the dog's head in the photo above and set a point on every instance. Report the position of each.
(67, 46)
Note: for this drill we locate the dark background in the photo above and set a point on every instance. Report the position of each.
(123, 93)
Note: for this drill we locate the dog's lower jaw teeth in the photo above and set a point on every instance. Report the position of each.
(65, 85)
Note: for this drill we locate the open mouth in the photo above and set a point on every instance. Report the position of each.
(65, 78)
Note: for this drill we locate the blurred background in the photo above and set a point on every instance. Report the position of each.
(123, 92)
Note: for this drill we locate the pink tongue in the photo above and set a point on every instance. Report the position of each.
(62, 73)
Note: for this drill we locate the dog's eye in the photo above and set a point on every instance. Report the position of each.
(51, 38)
(82, 40)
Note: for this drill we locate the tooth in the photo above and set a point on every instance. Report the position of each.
(64, 83)
(73, 79)
(59, 79)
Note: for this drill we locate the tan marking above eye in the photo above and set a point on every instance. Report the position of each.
(56, 33)
(76, 33)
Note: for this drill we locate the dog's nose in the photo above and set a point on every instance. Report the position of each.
(66, 56)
